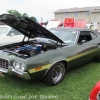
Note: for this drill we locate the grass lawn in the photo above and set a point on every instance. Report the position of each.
(76, 85)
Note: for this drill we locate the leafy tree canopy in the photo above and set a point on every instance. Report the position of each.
(16, 13)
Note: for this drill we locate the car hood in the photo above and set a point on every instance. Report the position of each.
(28, 27)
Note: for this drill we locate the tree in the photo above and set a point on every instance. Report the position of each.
(25, 15)
(33, 18)
(16, 13)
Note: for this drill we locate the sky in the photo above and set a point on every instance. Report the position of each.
(43, 9)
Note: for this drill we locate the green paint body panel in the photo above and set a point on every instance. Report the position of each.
(37, 75)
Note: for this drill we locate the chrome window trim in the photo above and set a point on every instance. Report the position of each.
(87, 31)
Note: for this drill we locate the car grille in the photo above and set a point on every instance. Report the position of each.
(4, 63)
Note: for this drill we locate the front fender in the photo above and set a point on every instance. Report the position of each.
(54, 61)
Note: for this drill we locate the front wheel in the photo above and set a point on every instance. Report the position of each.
(55, 74)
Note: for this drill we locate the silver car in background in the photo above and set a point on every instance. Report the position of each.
(9, 35)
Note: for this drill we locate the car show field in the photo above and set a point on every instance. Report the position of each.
(49, 50)
(48, 56)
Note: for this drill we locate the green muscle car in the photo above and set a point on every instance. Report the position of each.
(44, 54)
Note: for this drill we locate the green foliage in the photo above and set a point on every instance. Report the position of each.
(77, 85)
(33, 18)
(25, 15)
(16, 13)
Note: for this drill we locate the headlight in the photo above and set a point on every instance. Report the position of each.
(18, 66)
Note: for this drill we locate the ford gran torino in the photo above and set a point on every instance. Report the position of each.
(46, 54)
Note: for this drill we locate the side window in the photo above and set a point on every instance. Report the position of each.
(84, 36)
(93, 35)
(14, 31)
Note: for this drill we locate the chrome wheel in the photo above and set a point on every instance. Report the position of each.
(58, 72)
(55, 74)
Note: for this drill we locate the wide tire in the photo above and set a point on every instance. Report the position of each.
(55, 74)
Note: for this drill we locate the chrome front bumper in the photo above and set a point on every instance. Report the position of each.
(12, 71)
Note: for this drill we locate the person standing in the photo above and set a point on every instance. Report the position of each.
(98, 27)
(91, 27)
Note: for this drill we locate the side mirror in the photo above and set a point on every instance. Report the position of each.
(12, 34)
(83, 41)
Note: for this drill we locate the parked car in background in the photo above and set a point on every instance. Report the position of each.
(9, 35)
(47, 59)
(53, 24)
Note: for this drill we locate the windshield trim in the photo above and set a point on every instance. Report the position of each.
(76, 37)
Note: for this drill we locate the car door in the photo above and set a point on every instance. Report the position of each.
(87, 45)
(13, 36)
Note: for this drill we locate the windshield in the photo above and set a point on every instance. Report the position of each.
(4, 30)
(67, 36)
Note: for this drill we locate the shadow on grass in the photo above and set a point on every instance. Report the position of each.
(8, 79)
